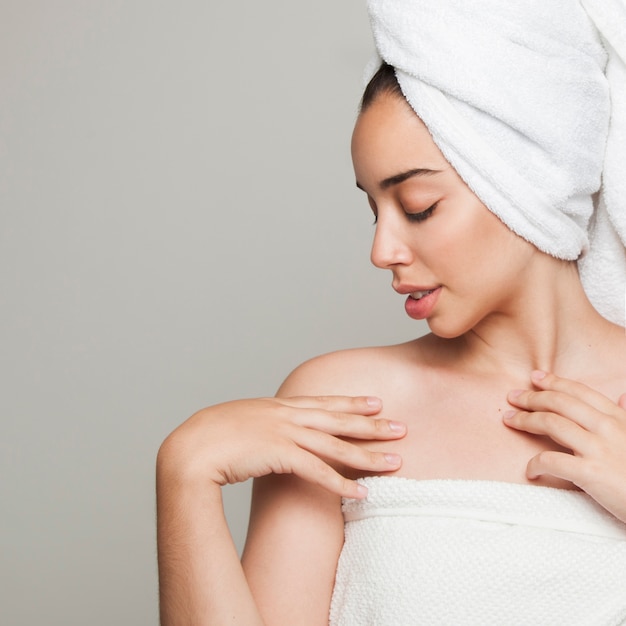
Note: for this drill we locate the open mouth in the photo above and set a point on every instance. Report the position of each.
(418, 295)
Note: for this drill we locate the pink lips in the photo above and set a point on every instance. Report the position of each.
(422, 308)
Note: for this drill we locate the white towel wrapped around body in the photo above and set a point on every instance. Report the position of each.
(527, 101)
(441, 552)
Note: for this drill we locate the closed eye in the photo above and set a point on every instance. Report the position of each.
(422, 215)
(412, 217)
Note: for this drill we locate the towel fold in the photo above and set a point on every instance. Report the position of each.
(527, 101)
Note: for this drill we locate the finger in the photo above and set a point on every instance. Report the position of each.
(587, 475)
(362, 405)
(622, 401)
(558, 464)
(344, 416)
(345, 453)
(584, 393)
(312, 469)
(350, 425)
(560, 403)
(563, 431)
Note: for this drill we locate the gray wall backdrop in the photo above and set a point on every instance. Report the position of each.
(178, 226)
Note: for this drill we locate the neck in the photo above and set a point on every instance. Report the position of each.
(550, 325)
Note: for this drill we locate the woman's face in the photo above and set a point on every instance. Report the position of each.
(456, 261)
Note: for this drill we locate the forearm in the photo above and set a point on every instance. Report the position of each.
(200, 576)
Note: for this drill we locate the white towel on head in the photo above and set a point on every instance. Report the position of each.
(603, 268)
(525, 99)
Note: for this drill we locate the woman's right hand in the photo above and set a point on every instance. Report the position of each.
(305, 436)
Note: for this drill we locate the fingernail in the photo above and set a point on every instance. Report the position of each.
(361, 491)
(373, 401)
(509, 414)
(397, 427)
(516, 393)
(392, 459)
(538, 375)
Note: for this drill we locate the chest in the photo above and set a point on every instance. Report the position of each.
(459, 433)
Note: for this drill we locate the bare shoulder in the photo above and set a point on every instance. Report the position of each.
(354, 372)
(297, 588)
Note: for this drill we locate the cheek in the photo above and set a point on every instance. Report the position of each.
(479, 247)
(500, 255)
(472, 238)
(491, 235)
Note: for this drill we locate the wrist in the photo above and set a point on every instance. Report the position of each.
(177, 467)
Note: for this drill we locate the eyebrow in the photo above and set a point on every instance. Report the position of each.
(396, 179)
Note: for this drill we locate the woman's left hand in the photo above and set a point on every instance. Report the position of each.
(584, 421)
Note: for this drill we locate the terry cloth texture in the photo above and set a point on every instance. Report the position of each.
(527, 101)
(481, 553)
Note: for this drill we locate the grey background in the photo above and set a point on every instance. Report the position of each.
(178, 226)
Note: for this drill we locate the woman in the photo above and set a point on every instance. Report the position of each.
(500, 436)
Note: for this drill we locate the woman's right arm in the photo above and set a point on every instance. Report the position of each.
(201, 578)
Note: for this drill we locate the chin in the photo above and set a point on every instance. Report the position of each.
(448, 329)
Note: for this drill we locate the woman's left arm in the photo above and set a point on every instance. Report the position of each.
(584, 421)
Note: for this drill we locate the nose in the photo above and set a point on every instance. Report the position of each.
(390, 247)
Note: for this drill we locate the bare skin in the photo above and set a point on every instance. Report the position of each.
(472, 406)
(201, 579)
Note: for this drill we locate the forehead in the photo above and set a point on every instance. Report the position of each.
(389, 138)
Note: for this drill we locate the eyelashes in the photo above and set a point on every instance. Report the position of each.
(416, 217)
(422, 215)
